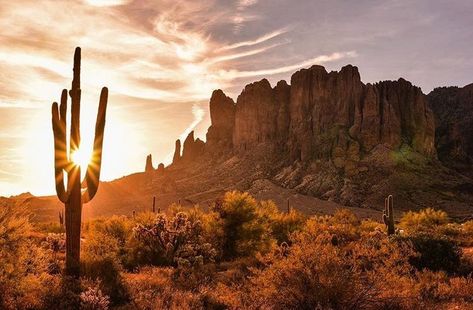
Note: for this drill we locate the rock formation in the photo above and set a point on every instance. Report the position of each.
(453, 110)
(321, 116)
(222, 116)
(149, 164)
(160, 168)
(192, 148)
(177, 152)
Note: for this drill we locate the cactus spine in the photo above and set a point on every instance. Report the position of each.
(76, 193)
(388, 214)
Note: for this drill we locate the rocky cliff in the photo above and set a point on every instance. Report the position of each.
(453, 109)
(322, 115)
(331, 136)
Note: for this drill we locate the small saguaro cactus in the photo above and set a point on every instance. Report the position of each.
(388, 214)
(154, 204)
(77, 192)
(61, 218)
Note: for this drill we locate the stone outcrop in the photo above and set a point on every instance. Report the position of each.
(329, 116)
(261, 115)
(177, 152)
(222, 116)
(192, 148)
(160, 169)
(149, 164)
(453, 110)
(335, 116)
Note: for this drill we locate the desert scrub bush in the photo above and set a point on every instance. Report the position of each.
(179, 240)
(24, 264)
(280, 224)
(242, 230)
(427, 220)
(435, 253)
(56, 244)
(153, 288)
(316, 274)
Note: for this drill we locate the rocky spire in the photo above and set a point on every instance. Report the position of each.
(149, 164)
(177, 152)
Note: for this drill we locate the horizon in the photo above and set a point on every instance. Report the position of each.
(161, 69)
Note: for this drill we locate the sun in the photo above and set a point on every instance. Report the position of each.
(80, 158)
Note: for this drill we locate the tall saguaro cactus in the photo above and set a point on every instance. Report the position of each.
(76, 193)
(388, 214)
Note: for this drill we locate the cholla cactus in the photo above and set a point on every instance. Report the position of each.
(179, 239)
(388, 214)
(94, 299)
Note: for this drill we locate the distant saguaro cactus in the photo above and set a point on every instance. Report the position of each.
(61, 218)
(154, 204)
(73, 196)
(388, 214)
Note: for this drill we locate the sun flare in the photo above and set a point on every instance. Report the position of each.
(80, 158)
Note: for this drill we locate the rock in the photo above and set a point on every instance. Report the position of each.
(149, 164)
(160, 168)
(453, 110)
(328, 116)
(177, 152)
(222, 117)
(192, 149)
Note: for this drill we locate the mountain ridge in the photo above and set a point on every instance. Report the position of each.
(325, 141)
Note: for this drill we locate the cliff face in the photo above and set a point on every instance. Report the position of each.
(222, 116)
(453, 109)
(321, 115)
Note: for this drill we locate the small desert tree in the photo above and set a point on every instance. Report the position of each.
(242, 228)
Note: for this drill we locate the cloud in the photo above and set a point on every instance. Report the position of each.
(256, 41)
(233, 74)
(107, 2)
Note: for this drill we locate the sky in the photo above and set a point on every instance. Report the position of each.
(161, 60)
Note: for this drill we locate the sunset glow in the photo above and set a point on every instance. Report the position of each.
(161, 60)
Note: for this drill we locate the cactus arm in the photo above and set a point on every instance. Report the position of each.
(92, 175)
(60, 155)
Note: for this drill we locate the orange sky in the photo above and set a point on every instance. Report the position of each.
(162, 59)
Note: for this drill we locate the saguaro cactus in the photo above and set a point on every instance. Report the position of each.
(388, 214)
(76, 193)
(61, 218)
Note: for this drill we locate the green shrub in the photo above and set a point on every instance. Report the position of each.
(427, 220)
(241, 228)
(24, 277)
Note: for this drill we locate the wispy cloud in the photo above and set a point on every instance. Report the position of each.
(233, 74)
(256, 41)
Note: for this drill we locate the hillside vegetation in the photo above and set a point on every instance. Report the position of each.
(241, 254)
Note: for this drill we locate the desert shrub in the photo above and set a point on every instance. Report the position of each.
(106, 271)
(153, 288)
(436, 253)
(24, 264)
(242, 229)
(316, 274)
(179, 240)
(51, 227)
(280, 224)
(427, 220)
